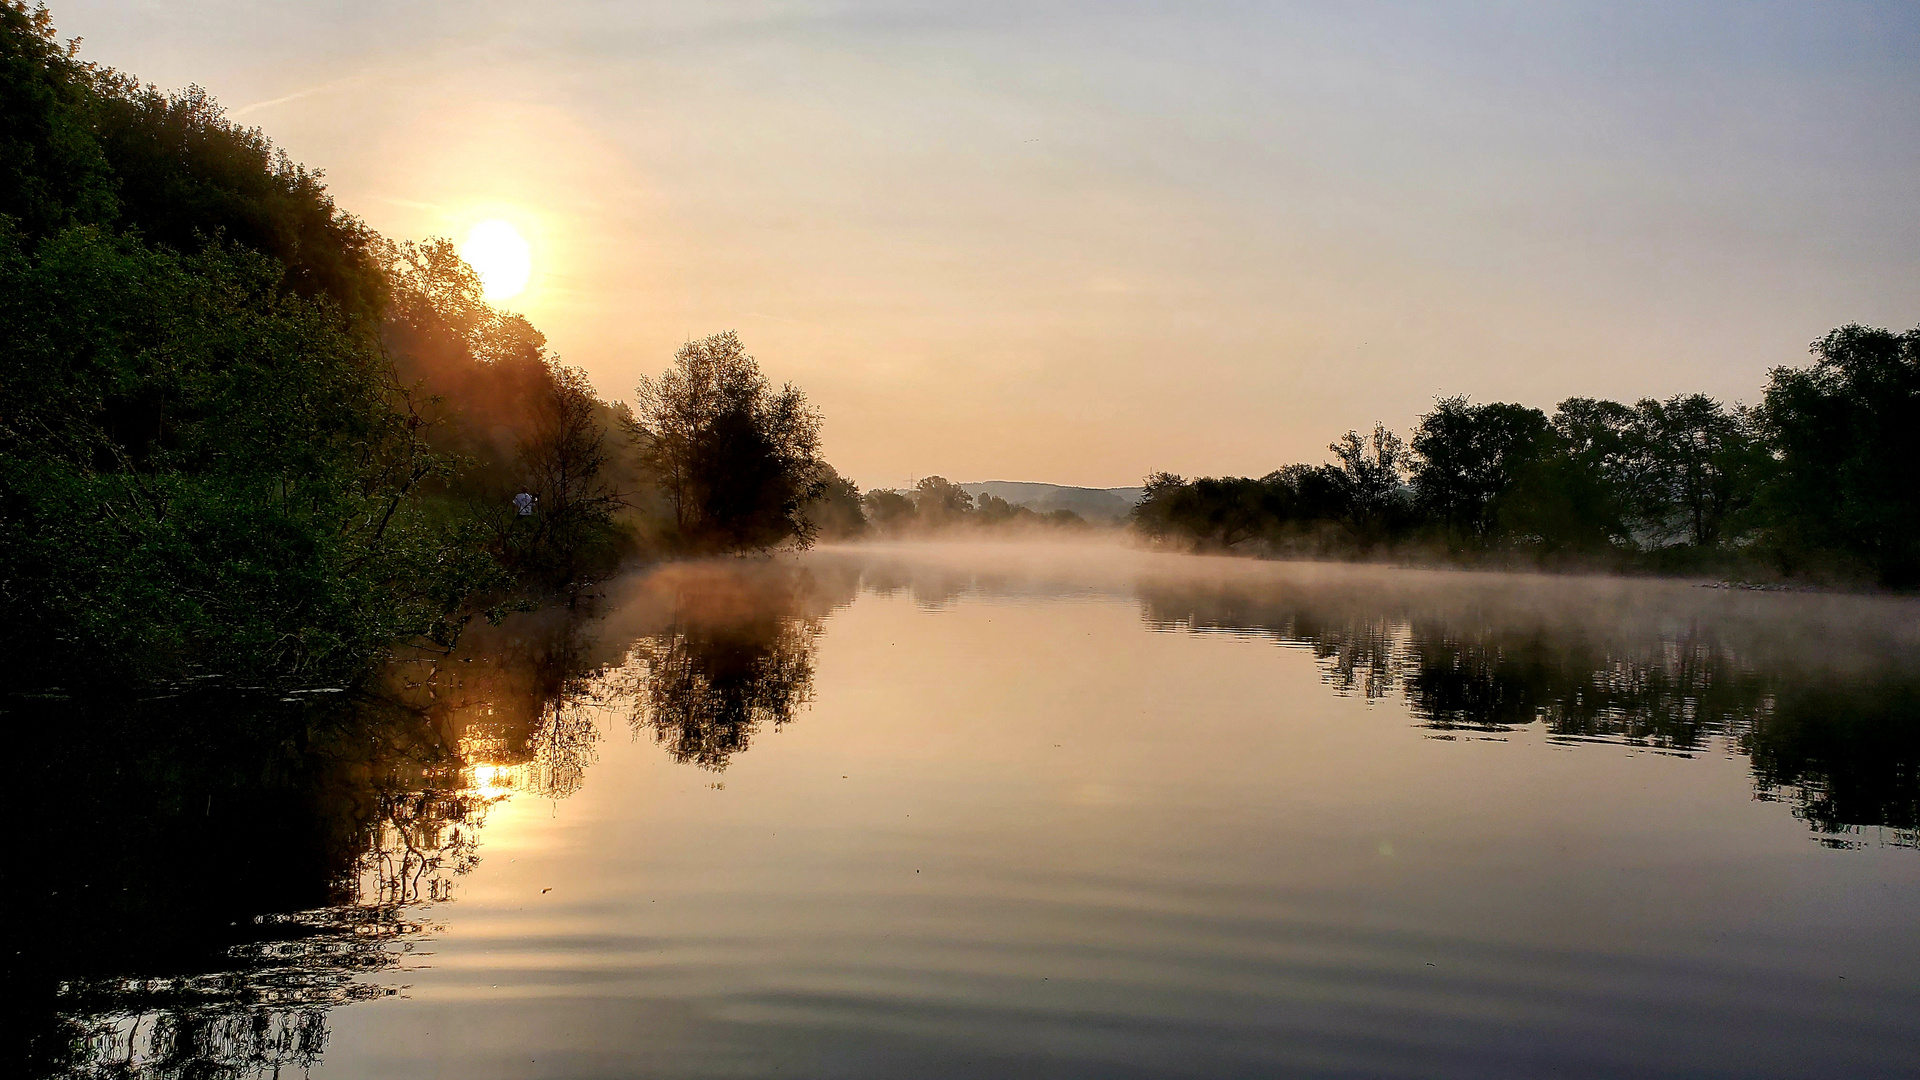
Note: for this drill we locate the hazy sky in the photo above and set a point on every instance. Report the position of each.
(1076, 242)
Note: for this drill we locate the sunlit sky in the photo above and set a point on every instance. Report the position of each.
(1077, 242)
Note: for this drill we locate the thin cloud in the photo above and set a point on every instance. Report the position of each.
(310, 91)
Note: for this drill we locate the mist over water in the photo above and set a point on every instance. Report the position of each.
(1017, 809)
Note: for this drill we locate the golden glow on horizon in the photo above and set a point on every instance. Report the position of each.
(500, 255)
(1010, 294)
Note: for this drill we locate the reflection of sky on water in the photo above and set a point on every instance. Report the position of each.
(1074, 799)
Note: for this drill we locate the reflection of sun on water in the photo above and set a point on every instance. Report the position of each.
(500, 255)
(491, 782)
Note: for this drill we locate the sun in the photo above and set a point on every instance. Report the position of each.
(500, 255)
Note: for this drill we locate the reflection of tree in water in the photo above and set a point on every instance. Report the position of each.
(731, 656)
(1843, 745)
(222, 871)
(205, 856)
(1669, 695)
(190, 1042)
(936, 586)
(1848, 757)
(234, 867)
(420, 840)
(706, 691)
(264, 1015)
(930, 586)
(1356, 657)
(563, 742)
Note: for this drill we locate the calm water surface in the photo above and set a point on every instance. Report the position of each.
(932, 811)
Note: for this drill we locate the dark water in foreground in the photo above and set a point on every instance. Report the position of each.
(1008, 812)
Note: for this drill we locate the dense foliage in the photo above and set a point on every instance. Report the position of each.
(515, 417)
(1812, 481)
(1843, 436)
(242, 435)
(738, 460)
(200, 469)
(205, 461)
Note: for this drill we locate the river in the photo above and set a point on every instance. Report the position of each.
(999, 810)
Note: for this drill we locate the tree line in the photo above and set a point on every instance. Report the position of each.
(1814, 482)
(242, 435)
(938, 505)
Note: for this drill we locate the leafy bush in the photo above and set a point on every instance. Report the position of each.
(200, 469)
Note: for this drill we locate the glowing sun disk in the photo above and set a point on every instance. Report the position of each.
(498, 253)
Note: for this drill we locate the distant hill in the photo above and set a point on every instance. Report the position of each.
(1094, 504)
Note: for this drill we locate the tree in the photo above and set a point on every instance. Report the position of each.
(1373, 470)
(991, 509)
(1155, 515)
(200, 469)
(206, 460)
(835, 511)
(1580, 495)
(938, 501)
(566, 459)
(84, 145)
(239, 432)
(1470, 456)
(187, 176)
(1844, 436)
(1212, 511)
(887, 510)
(52, 172)
(1700, 464)
(737, 460)
(516, 417)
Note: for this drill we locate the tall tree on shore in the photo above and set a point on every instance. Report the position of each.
(1700, 464)
(1469, 456)
(1582, 498)
(736, 459)
(1373, 469)
(1845, 434)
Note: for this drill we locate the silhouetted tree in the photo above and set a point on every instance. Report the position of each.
(1470, 456)
(1701, 463)
(1373, 469)
(567, 458)
(887, 510)
(991, 508)
(52, 171)
(517, 418)
(188, 176)
(939, 501)
(1578, 494)
(738, 460)
(836, 511)
(1845, 434)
